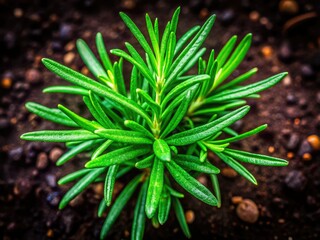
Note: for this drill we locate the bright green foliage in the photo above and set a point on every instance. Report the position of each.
(162, 126)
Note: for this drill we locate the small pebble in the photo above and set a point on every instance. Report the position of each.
(190, 216)
(66, 32)
(236, 199)
(128, 4)
(227, 16)
(271, 149)
(42, 161)
(51, 180)
(204, 13)
(4, 125)
(98, 189)
(291, 99)
(50, 233)
(68, 58)
(18, 12)
(314, 141)
(307, 71)
(285, 53)
(6, 83)
(254, 16)
(203, 180)
(305, 147)
(229, 172)
(248, 211)
(16, 154)
(290, 155)
(293, 141)
(281, 221)
(53, 198)
(33, 76)
(306, 157)
(267, 51)
(288, 6)
(287, 81)
(22, 187)
(55, 154)
(296, 181)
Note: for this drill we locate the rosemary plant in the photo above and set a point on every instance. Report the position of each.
(161, 128)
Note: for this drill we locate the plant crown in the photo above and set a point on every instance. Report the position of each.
(162, 127)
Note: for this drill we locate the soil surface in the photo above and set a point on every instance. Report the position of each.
(286, 38)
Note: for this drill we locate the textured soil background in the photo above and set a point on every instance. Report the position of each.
(286, 38)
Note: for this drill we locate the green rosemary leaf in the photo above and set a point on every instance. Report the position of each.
(178, 116)
(155, 187)
(216, 188)
(133, 84)
(139, 217)
(82, 122)
(189, 51)
(153, 37)
(118, 205)
(216, 147)
(203, 156)
(73, 176)
(123, 171)
(230, 131)
(237, 167)
(66, 89)
(256, 159)
(162, 150)
(124, 136)
(174, 192)
(193, 163)
(155, 107)
(206, 130)
(141, 66)
(235, 59)
(118, 78)
(181, 217)
(242, 136)
(99, 150)
(90, 60)
(109, 183)
(164, 207)
(212, 110)
(138, 35)
(164, 43)
(59, 135)
(102, 208)
(103, 52)
(156, 29)
(118, 156)
(80, 186)
(190, 184)
(193, 61)
(174, 20)
(184, 39)
(101, 90)
(145, 163)
(76, 150)
(226, 51)
(169, 53)
(51, 114)
(238, 79)
(137, 127)
(244, 91)
(180, 88)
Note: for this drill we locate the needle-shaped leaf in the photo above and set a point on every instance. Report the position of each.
(226, 51)
(139, 217)
(137, 127)
(103, 52)
(59, 135)
(118, 156)
(118, 205)
(153, 37)
(145, 163)
(124, 136)
(109, 183)
(242, 135)
(194, 163)
(162, 150)
(118, 78)
(76, 150)
(185, 37)
(237, 167)
(256, 159)
(90, 60)
(181, 217)
(188, 52)
(155, 107)
(216, 188)
(164, 207)
(101, 90)
(51, 114)
(80, 186)
(82, 122)
(190, 184)
(230, 94)
(67, 90)
(99, 150)
(73, 176)
(102, 208)
(174, 192)
(155, 187)
(207, 130)
(174, 20)
(138, 35)
(220, 108)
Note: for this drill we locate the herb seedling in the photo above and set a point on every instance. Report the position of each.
(158, 131)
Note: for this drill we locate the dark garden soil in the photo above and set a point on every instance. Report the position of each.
(286, 38)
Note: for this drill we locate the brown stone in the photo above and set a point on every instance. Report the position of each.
(248, 211)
